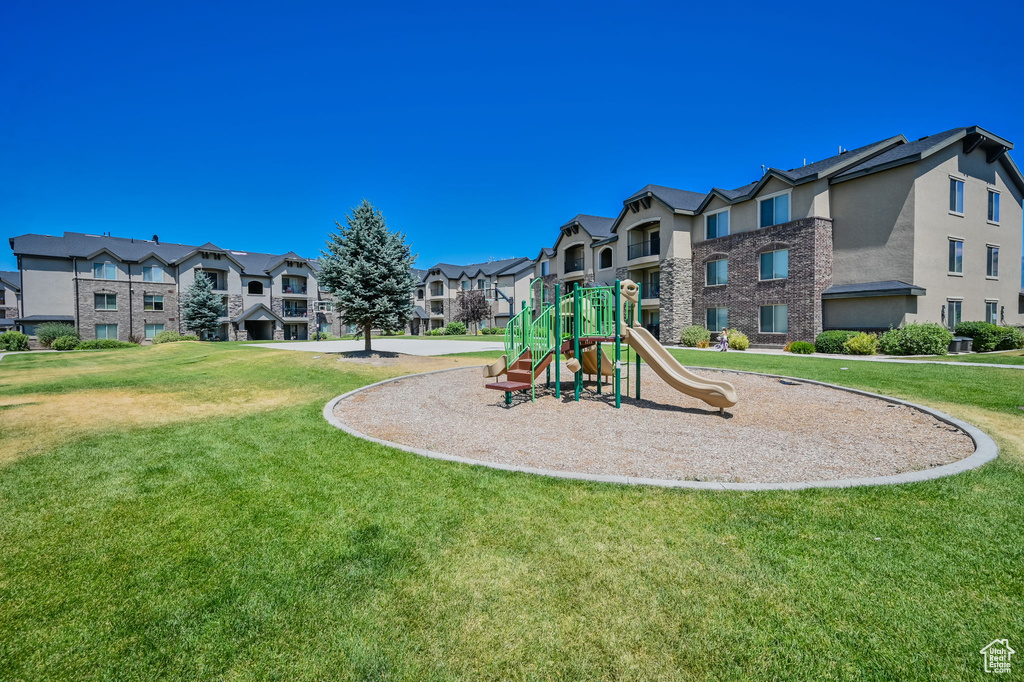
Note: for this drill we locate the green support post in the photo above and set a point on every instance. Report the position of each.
(558, 342)
(508, 397)
(639, 318)
(578, 376)
(618, 348)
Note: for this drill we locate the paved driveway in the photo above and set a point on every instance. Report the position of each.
(407, 346)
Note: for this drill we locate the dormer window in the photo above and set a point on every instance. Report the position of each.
(716, 224)
(105, 270)
(774, 210)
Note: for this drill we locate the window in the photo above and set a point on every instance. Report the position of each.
(436, 288)
(152, 273)
(466, 284)
(992, 312)
(153, 329)
(716, 272)
(717, 224)
(953, 318)
(545, 268)
(956, 196)
(606, 259)
(150, 302)
(419, 294)
(775, 264)
(992, 262)
(104, 271)
(106, 331)
(774, 319)
(105, 301)
(716, 318)
(480, 284)
(993, 206)
(293, 285)
(324, 327)
(956, 256)
(255, 288)
(3, 293)
(774, 210)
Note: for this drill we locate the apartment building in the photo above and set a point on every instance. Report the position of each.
(506, 284)
(893, 232)
(10, 299)
(115, 288)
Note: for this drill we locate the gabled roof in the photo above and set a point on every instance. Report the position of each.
(598, 227)
(11, 279)
(498, 267)
(79, 245)
(419, 312)
(252, 310)
(676, 199)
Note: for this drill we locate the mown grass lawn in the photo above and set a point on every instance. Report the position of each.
(183, 511)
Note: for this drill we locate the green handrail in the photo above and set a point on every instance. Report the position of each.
(516, 342)
(542, 336)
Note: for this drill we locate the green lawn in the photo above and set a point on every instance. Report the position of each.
(1010, 357)
(183, 511)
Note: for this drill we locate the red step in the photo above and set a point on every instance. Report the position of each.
(509, 386)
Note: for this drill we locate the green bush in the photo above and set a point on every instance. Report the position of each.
(189, 337)
(801, 347)
(861, 344)
(919, 338)
(832, 341)
(455, 329)
(104, 344)
(47, 332)
(692, 336)
(1012, 339)
(12, 340)
(436, 332)
(65, 343)
(168, 336)
(986, 335)
(738, 340)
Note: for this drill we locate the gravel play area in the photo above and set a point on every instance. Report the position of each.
(780, 431)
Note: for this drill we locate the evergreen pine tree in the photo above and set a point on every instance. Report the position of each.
(200, 307)
(369, 269)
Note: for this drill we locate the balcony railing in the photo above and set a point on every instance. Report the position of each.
(296, 312)
(651, 247)
(437, 311)
(654, 329)
(573, 264)
(292, 289)
(648, 290)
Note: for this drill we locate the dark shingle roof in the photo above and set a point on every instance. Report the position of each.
(864, 289)
(596, 226)
(47, 318)
(78, 245)
(12, 278)
(497, 267)
(825, 164)
(254, 308)
(674, 198)
(419, 312)
(901, 152)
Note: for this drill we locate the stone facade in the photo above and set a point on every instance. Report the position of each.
(676, 298)
(130, 315)
(810, 272)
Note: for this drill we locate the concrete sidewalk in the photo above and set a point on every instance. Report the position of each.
(406, 346)
(903, 360)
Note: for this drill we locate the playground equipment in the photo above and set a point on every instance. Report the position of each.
(576, 325)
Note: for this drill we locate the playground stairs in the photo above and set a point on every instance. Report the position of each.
(520, 376)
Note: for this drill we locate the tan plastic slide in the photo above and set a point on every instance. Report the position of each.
(720, 394)
(497, 368)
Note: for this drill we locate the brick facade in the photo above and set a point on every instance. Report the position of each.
(810, 272)
(130, 316)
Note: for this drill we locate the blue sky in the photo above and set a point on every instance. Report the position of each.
(477, 128)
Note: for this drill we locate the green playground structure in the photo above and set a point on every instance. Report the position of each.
(576, 325)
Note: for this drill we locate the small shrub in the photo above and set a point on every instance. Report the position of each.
(135, 338)
(832, 341)
(861, 344)
(704, 344)
(12, 341)
(104, 344)
(800, 347)
(919, 338)
(738, 340)
(65, 343)
(693, 335)
(188, 337)
(168, 336)
(455, 329)
(986, 335)
(47, 332)
(1012, 339)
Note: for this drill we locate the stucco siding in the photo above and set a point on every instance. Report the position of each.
(47, 286)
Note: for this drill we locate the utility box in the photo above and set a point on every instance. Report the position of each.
(961, 344)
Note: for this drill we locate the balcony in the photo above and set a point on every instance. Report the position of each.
(436, 312)
(573, 265)
(651, 247)
(293, 289)
(294, 312)
(650, 291)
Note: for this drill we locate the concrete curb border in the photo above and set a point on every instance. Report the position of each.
(985, 449)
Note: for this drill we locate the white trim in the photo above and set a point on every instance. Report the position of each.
(993, 190)
(963, 196)
(711, 213)
(954, 273)
(757, 218)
